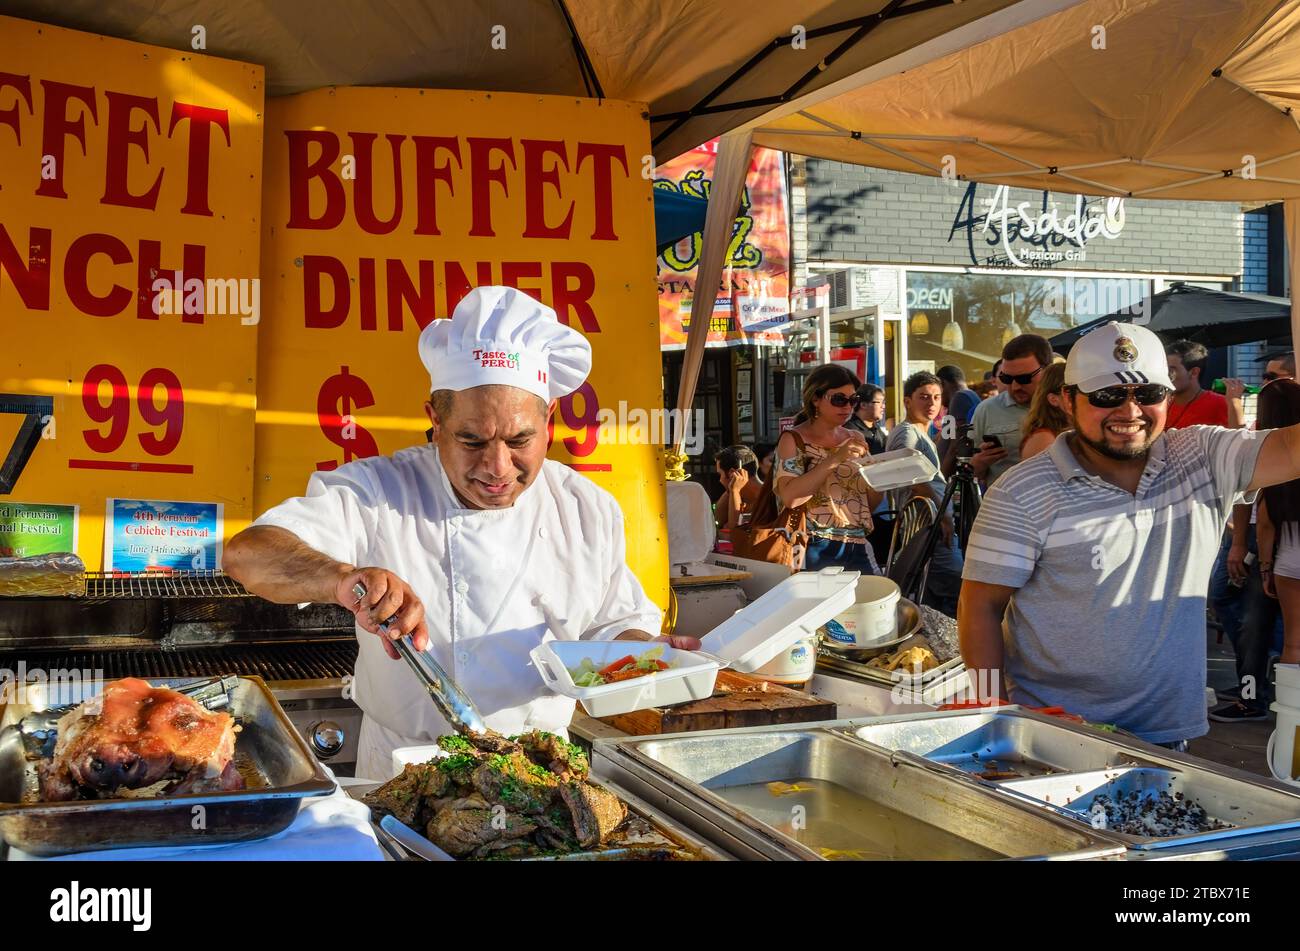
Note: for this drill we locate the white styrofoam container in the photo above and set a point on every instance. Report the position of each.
(897, 469)
(754, 635)
(790, 612)
(691, 676)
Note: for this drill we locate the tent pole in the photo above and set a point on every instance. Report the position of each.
(1291, 214)
(729, 172)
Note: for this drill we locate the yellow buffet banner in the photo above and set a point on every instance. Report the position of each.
(383, 207)
(130, 194)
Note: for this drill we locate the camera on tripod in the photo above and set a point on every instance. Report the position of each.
(965, 442)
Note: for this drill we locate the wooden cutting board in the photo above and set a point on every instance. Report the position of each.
(737, 701)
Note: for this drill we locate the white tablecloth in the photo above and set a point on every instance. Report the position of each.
(328, 828)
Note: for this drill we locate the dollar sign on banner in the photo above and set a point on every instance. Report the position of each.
(339, 396)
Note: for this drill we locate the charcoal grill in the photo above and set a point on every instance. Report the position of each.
(196, 624)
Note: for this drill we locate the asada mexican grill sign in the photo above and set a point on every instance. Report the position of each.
(1026, 234)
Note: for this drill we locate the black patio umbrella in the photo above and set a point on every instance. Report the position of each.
(1209, 317)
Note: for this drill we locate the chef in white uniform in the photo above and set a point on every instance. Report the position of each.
(479, 546)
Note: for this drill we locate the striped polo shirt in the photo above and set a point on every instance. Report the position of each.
(1108, 617)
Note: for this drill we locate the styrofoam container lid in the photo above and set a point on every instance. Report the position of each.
(791, 611)
(896, 469)
(692, 530)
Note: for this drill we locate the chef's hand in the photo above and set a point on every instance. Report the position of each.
(676, 641)
(387, 597)
(680, 642)
(985, 458)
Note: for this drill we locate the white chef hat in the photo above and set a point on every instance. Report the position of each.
(501, 335)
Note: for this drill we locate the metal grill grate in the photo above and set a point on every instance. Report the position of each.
(327, 660)
(104, 585)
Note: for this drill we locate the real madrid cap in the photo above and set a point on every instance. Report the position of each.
(1117, 355)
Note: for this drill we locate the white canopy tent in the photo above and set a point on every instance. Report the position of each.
(1177, 99)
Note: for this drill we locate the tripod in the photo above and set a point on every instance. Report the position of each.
(963, 492)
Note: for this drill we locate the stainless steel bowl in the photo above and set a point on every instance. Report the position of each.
(909, 625)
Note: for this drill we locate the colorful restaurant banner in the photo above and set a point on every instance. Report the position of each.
(130, 196)
(383, 207)
(35, 529)
(146, 535)
(753, 299)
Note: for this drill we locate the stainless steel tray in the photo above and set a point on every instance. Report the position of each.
(268, 749)
(982, 742)
(1249, 809)
(700, 773)
(1063, 765)
(666, 842)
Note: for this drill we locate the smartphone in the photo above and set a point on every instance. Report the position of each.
(993, 441)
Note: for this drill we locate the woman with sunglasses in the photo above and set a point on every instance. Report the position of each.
(869, 417)
(816, 468)
(1088, 566)
(1047, 418)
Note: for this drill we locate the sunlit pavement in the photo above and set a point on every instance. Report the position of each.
(1239, 745)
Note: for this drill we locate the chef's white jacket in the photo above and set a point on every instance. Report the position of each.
(494, 583)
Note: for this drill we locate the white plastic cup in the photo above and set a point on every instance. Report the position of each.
(873, 619)
(1284, 744)
(1286, 685)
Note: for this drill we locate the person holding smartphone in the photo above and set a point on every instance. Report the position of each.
(737, 467)
(1023, 360)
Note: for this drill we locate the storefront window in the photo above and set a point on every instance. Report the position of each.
(965, 319)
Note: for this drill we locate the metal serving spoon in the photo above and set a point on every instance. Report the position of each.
(452, 702)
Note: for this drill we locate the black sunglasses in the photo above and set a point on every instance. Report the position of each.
(1024, 379)
(839, 400)
(1270, 377)
(1109, 397)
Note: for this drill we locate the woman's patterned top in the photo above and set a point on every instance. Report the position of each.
(840, 509)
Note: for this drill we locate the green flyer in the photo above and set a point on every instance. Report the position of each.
(28, 529)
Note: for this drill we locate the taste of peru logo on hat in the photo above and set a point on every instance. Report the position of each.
(497, 358)
(502, 336)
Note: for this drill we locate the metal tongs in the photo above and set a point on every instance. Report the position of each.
(40, 728)
(452, 702)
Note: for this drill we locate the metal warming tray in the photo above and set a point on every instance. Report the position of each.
(657, 839)
(984, 743)
(1061, 767)
(871, 805)
(268, 750)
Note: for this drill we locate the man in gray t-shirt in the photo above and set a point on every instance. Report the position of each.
(1023, 360)
(1086, 573)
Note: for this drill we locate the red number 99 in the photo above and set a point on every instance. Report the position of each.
(587, 422)
(171, 414)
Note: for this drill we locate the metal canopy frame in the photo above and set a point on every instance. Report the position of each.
(861, 27)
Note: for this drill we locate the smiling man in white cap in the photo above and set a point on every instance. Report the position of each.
(476, 545)
(1088, 565)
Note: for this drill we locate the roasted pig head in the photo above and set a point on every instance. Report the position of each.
(135, 735)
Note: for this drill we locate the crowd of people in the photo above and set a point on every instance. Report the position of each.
(1107, 480)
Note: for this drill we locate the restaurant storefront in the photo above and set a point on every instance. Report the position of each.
(962, 268)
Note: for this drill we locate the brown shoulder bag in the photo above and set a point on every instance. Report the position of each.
(773, 534)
